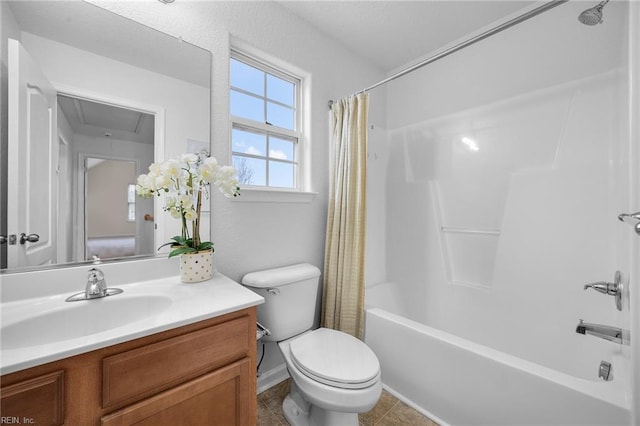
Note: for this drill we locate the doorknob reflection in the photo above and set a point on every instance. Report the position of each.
(31, 238)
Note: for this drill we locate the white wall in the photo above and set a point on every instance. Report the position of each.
(250, 236)
(106, 199)
(545, 102)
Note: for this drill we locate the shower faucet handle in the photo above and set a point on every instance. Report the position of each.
(612, 289)
(603, 287)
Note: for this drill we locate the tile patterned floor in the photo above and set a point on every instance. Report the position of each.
(388, 412)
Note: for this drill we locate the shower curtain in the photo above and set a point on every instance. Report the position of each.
(343, 287)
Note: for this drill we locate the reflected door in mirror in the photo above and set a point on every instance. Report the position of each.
(32, 161)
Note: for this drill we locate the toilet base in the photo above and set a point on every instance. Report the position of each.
(299, 412)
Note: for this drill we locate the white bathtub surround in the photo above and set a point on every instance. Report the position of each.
(634, 176)
(343, 292)
(458, 382)
(505, 167)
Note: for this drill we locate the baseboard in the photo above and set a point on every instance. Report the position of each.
(270, 378)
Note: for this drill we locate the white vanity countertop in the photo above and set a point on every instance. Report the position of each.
(145, 308)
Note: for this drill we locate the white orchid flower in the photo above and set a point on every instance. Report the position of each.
(189, 158)
(182, 180)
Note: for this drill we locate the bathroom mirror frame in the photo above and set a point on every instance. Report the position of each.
(147, 53)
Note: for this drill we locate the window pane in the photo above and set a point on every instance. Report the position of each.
(251, 171)
(131, 215)
(280, 90)
(246, 142)
(131, 193)
(280, 116)
(246, 77)
(281, 174)
(281, 149)
(247, 106)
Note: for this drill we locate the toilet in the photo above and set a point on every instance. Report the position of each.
(334, 376)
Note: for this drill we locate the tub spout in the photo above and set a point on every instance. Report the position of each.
(612, 334)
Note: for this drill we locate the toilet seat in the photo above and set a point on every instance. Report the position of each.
(335, 359)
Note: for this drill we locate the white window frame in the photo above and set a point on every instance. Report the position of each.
(267, 129)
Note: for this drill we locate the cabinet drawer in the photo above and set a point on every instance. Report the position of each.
(222, 397)
(141, 372)
(38, 401)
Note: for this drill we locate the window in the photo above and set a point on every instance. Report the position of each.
(131, 202)
(265, 124)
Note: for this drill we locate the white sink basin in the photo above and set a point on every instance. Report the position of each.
(71, 320)
(37, 326)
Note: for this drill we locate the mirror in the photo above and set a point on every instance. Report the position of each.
(89, 100)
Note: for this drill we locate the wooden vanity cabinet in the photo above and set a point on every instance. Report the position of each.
(198, 374)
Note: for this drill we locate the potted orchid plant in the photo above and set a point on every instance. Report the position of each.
(184, 181)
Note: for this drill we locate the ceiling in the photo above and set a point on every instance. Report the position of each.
(93, 29)
(395, 33)
(107, 121)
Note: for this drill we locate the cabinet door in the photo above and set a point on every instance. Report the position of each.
(222, 397)
(38, 401)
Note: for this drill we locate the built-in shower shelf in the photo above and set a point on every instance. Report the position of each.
(495, 232)
(468, 253)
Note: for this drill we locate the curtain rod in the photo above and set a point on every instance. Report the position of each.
(492, 31)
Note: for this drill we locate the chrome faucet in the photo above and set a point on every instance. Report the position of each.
(96, 287)
(96, 284)
(612, 334)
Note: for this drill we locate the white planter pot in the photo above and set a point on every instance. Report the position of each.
(196, 267)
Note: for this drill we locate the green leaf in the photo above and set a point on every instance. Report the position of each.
(181, 250)
(177, 242)
(206, 245)
(166, 244)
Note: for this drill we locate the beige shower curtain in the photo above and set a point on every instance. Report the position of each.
(343, 290)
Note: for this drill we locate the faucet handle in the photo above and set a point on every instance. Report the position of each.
(612, 289)
(96, 283)
(603, 287)
(95, 275)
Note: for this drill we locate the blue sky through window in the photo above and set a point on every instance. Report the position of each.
(263, 157)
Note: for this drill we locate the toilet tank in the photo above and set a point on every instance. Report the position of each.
(290, 295)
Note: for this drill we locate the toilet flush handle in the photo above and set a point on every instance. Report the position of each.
(274, 291)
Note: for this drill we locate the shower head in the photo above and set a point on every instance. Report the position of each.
(593, 15)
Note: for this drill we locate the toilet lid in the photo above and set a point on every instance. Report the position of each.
(335, 358)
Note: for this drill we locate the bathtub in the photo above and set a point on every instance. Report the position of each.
(458, 382)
